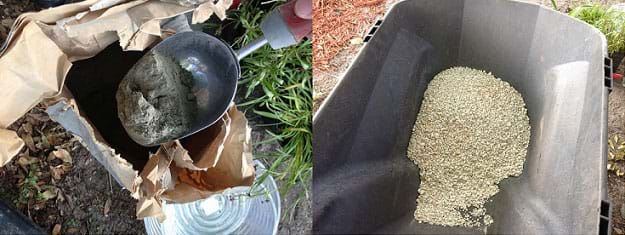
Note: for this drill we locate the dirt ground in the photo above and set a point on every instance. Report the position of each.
(9, 10)
(616, 185)
(85, 199)
(296, 206)
(299, 218)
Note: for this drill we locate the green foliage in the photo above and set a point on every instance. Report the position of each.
(554, 5)
(610, 22)
(72, 222)
(27, 189)
(278, 86)
(30, 191)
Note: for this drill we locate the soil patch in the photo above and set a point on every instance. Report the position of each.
(55, 181)
(616, 185)
(9, 11)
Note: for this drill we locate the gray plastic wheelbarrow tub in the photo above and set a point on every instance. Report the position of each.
(363, 180)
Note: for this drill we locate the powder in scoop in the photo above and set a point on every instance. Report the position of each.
(155, 101)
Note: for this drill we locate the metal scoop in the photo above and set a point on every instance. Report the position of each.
(215, 66)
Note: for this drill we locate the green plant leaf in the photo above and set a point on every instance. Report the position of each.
(47, 195)
(609, 21)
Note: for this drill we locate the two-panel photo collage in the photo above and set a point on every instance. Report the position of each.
(271, 117)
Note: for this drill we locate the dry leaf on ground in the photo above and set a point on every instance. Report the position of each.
(57, 172)
(30, 143)
(25, 160)
(56, 230)
(107, 207)
(63, 155)
(48, 194)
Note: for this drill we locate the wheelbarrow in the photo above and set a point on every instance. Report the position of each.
(365, 183)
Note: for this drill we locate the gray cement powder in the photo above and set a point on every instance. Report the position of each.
(155, 101)
(472, 132)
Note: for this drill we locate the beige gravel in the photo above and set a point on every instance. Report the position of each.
(471, 133)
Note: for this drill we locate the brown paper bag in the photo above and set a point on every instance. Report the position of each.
(36, 58)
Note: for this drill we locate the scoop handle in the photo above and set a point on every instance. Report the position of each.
(281, 28)
(251, 47)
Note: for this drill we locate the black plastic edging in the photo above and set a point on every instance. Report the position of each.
(607, 73)
(372, 31)
(605, 213)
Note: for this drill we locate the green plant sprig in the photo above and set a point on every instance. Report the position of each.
(278, 86)
(609, 21)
